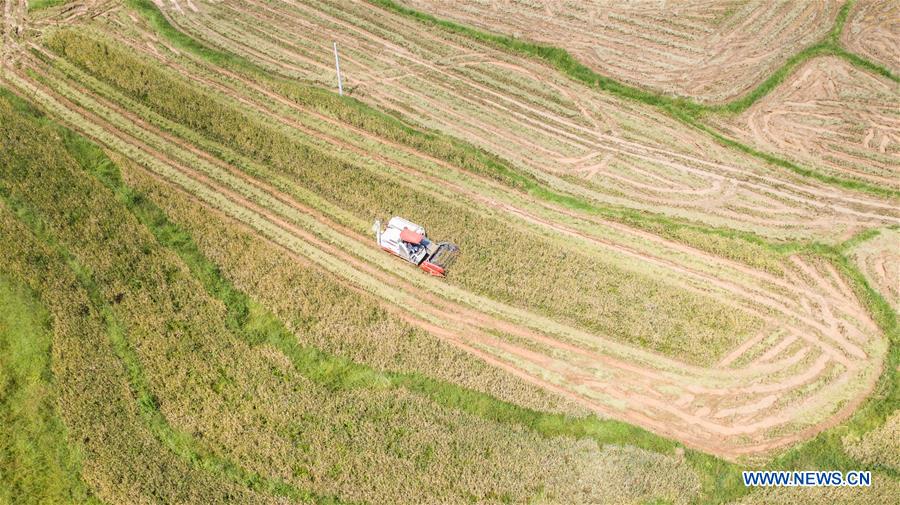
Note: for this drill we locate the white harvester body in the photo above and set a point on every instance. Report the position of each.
(408, 240)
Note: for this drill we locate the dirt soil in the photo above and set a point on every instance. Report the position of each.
(873, 31)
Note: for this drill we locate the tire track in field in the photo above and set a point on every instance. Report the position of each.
(817, 194)
(765, 298)
(832, 115)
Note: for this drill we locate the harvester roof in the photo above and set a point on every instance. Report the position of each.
(410, 236)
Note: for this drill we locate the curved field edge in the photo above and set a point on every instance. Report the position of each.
(710, 322)
(257, 324)
(823, 448)
(881, 239)
(682, 109)
(721, 479)
(892, 344)
(38, 464)
(742, 246)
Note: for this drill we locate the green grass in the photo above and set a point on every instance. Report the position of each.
(183, 41)
(36, 463)
(685, 110)
(36, 5)
(180, 443)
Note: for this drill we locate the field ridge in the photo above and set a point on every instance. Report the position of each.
(683, 109)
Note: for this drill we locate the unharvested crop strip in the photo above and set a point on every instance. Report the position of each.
(732, 213)
(362, 116)
(356, 186)
(328, 369)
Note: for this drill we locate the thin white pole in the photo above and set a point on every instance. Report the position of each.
(337, 68)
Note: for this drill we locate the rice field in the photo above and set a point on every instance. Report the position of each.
(185, 213)
(831, 115)
(597, 146)
(698, 49)
(872, 31)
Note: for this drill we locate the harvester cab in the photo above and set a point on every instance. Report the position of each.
(407, 240)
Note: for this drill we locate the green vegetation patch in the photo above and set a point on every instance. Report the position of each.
(36, 463)
(53, 205)
(36, 5)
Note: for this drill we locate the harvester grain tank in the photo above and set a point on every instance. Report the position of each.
(408, 240)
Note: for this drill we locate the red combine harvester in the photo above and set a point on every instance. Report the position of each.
(407, 240)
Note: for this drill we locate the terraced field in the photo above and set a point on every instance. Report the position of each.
(697, 49)
(596, 146)
(831, 115)
(634, 297)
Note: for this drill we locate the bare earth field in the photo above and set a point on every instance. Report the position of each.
(617, 262)
(696, 48)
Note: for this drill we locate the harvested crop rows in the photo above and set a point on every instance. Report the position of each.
(593, 145)
(879, 260)
(807, 326)
(697, 49)
(179, 379)
(831, 115)
(872, 31)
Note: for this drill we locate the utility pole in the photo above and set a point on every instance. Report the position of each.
(337, 68)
